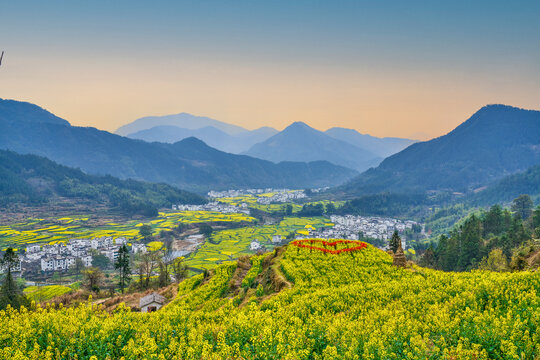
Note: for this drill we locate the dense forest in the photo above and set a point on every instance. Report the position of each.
(34, 180)
(508, 188)
(497, 239)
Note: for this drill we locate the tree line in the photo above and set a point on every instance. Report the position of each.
(490, 240)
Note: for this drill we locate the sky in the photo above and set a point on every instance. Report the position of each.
(409, 69)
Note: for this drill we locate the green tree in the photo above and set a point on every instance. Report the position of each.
(330, 208)
(470, 243)
(428, 258)
(123, 267)
(101, 261)
(395, 241)
(536, 218)
(496, 261)
(145, 231)
(206, 230)
(10, 293)
(494, 221)
(522, 205)
(288, 210)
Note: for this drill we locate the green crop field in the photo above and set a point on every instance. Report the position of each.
(44, 293)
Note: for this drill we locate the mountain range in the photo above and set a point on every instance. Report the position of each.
(496, 141)
(182, 120)
(212, 136)
(300, 142)
(190, 163)
(295, 143)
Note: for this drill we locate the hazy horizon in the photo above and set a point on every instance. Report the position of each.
(399, 70)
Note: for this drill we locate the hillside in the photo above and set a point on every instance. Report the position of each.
(302, 304)
(299, 142)
(182, 120)
(14, 112)
(212, 136)
(30, 179)
(382, 147)
(510, 187)
(496, 141)
(189, 164)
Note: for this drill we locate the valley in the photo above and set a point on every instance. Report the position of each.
(270, 180)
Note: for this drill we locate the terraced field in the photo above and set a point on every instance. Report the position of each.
(233, 243)
(19, 235)
(224, 245)
(251, 201)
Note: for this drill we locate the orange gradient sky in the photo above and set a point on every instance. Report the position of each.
(105, 71)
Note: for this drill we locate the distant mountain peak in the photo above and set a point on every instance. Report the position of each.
(181, 120)
(301, 142)
(298, 125)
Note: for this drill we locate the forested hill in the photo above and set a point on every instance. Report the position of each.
(496, 141)
(510, 187)
(31, 179)
(189, 164)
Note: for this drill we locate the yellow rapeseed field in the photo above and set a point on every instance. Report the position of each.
(349, 306)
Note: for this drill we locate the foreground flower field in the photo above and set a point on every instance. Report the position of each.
(352, 305)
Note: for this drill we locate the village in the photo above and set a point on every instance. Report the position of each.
(264, 196)
(349, 227)
(62, 257)
(215, 207)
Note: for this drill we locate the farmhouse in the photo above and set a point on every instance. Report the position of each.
(152, 302)
(255, 245)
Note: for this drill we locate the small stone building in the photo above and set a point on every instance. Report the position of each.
(152, 302)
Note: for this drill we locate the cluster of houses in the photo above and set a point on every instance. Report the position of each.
(350, 227)
(282, 197)
(214, 206)
(61, 257)
(278, 195)
(235, 193)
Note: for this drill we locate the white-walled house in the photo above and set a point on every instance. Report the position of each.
(255, 245)
(152, 302)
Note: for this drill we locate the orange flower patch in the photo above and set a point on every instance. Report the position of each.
(334, 247)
